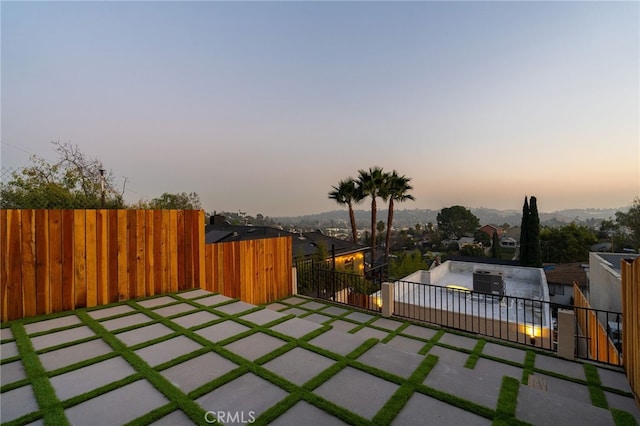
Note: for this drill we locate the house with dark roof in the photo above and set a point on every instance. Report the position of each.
(349, 256)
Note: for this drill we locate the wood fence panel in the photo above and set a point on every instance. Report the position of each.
(14, 285)
(28, 239)
(172, 253)
(68, 298)
(4, 265)
(631, 323)
(159, 270)
(43, 272)
(121, 236)
(188, 252)
(180, 277)
(112, 256)
(140, 258)
(102, 257)
(91, 250)
(55, 259)
(79, 258)
(149, 240)
(132, 252)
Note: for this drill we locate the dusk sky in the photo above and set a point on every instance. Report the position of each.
(263, 106)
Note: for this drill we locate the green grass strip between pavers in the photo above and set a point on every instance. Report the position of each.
(622, 418)
(595, 391)
(529, 363)
(475, 354)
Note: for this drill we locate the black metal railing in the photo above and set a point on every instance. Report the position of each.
(521, 320)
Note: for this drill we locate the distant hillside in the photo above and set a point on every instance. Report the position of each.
(410, 217)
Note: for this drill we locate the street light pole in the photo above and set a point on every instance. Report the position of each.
(102, 188)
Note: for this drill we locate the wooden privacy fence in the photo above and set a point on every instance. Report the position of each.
(631, 323)
(60, 260)
(600, 347)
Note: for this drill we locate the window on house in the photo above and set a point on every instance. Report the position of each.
(348, 263)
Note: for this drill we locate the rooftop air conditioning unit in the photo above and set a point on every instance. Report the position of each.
(488, 282)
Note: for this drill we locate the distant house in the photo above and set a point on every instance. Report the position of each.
(348, 255)
(508, 242)
(560, 279)
(490, 230)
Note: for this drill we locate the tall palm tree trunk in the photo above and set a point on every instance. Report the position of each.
(389, 224)
(352, 218)
(373, 230)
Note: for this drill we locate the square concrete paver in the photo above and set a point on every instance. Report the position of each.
(8, 350)
(175, 418)
(110, 312)
(560, 366)
(543, 408)
(341, 325)
(235, 308)
(421, 408)
(391, 360)
(465, 383)
(294, 311)
(16, 403)
(6, 334)
(194, 293)
(367, 333)
(171, 310)
(421, 332)
(313, 305)
(359, 316)
(263, 316)
(247, 396)
(487, 367)
(194, 319)
(450, 356)
(504, 352)
(143, 334)
(386, 323)
(192, 374)
(295, 300)
(116, 407)
(126, 321)
(52, 324)
(276, 306)
(614, 379)
(317, 318)
(566, 388)
(73, 354)
(306, 414)
(299, 365)
(162, 352)
(337, 342)
(406, 344)
(12, 372)
(254, 346)
(213, 300)
(458, 341)
(357, 391)
(221, 331)
(156, 301)
(334, 310)
(296, 327)
(60, 337)
(91, 377)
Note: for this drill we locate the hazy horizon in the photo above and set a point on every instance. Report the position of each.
(263, 106)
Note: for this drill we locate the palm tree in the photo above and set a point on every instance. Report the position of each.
(371, 183)
(395, 189)
(347, 192)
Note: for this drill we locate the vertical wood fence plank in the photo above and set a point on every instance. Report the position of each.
(55, 259)
(179, 235)
(172, 256)
(150, 253)
(68, 276)
(112, 256)
(4, 264)
(123, 276)
(14, 286)
(28, 262)
(132, 225)
(80, 258)
(140, 254)
(199, 248)
(158, 247)
(102, 257)
(43, 272)
(188, 250)
(91, 269)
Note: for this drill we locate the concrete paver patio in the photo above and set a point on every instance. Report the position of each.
(201, 358)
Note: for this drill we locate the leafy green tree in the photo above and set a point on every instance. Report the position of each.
(524, 234)
(396, 189)
(371, 184)
(482, 237)
(472, 251)
(496, 250)
(457, 221)
(631, 221)
(566, 244)
(349, 193)
(407, 263)
(179, 201)
(75, 181)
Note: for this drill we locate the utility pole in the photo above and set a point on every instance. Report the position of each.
(102, 188)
